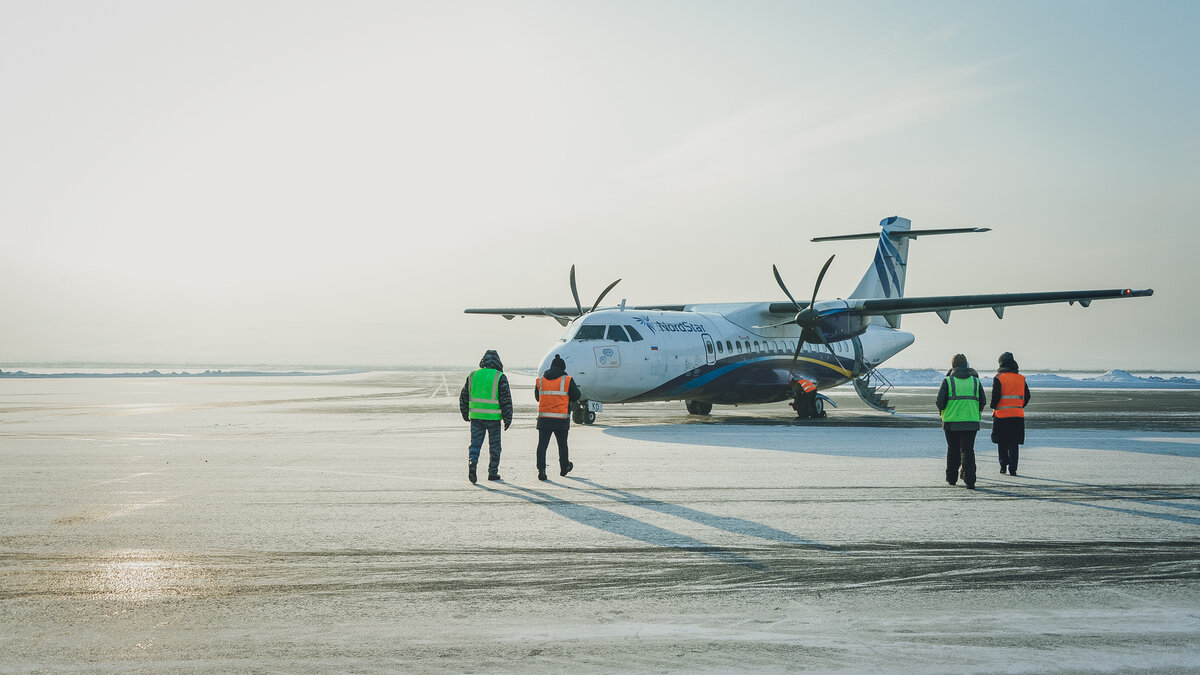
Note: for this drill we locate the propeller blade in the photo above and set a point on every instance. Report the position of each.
(783, 286)
(817, 287)
(792, 368)
(604, 293)
(575, 292)
(821, 334)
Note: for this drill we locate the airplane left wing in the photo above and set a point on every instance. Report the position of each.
(891, 308)
(563, 315)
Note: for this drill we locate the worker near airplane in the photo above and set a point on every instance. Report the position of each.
(960, 400)
(555, 392)
(1010, 395)
(486, 401)
(804, 393)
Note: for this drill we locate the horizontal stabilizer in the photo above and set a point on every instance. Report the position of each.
(904, 234)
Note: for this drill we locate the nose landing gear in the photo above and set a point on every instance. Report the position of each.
(582, 414)
(698, 407)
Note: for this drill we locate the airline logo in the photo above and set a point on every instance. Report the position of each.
(673, 327)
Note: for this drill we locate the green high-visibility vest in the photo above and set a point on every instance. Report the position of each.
(485, 394)
(963, 405)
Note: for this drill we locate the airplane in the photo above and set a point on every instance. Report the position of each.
(709, 354)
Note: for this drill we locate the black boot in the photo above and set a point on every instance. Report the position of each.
(471, 472)
(567, 469)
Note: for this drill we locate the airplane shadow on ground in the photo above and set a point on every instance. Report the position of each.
(892, 443)
(1183, 501)
(654, 535)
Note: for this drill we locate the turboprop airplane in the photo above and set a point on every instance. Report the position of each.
(755, 352)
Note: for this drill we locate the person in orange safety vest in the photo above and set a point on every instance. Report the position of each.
(1010, 395)
(805, 399)
(555, 392)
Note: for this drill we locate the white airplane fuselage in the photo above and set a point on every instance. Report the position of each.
(707, 355)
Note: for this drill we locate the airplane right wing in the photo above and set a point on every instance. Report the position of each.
(891, 308)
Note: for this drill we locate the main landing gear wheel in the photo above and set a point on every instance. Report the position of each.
(698, 407)
(809, 407)
(581, 415)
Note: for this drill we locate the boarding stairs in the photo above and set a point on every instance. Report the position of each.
(872, 388)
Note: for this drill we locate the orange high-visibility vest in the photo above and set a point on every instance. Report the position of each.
(807, 386)
(554, 397)
(1012, 396)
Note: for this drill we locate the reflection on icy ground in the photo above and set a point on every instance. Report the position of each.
(129, 575)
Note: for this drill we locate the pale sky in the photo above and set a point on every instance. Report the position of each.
(334, 182)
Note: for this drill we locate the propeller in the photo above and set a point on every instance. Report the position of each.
(575, 294)
(808, 318)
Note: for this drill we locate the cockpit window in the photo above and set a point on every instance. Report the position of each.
(617, 333)
(633, 334)
(590, 332)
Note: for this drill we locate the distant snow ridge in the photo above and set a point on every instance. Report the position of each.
(1113, 379)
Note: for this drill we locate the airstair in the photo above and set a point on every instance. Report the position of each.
(872, 388)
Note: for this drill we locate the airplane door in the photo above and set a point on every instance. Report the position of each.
(710, 350)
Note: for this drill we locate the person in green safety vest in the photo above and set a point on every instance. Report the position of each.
(961, 400)
(486, 402)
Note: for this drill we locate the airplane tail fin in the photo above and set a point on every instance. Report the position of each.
(885, 277)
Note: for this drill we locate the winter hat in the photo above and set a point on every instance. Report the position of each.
(491, 359)
(558, 363)
(1007, 361)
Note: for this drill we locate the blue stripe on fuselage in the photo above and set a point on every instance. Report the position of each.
(685, 384)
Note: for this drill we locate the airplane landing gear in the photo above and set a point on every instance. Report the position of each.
(581, 414)
(808, 406)
(698, 407)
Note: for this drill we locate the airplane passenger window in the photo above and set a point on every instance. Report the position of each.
(633, 334)
(708, 346)
(591, 332)
(720, 349)
(774, 346)
(617, 333)
(729, 346)
(756, 345)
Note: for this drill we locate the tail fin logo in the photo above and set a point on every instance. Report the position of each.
(887, 257)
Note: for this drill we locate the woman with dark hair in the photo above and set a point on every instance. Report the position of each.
(960, 400)
(1010, 395)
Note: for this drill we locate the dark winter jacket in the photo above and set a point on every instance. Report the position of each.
(943, 397)
(490, 360)
(573, 394)
(1007, 430)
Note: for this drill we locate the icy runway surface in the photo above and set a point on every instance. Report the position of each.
(326, 524)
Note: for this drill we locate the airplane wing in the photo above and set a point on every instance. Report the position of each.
(563, 315)
(942, 305)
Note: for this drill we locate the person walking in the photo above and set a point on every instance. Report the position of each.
(555, 392)
(960, 400)
(1010, 395)
(486, 401)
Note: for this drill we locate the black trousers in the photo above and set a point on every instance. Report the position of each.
(560, 435)
(1008, 455)
(960, 455)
